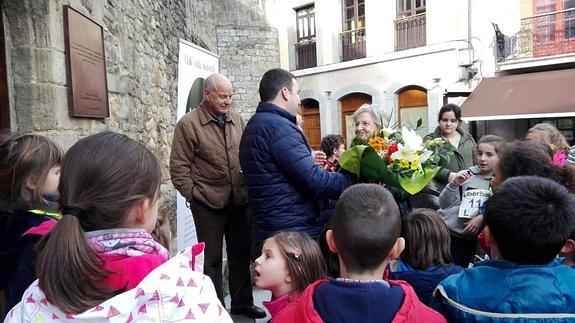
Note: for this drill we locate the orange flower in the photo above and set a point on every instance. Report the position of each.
(378, 144)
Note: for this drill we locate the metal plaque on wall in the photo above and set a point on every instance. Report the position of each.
(86, 66)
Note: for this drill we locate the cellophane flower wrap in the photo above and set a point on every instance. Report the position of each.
(399, 158)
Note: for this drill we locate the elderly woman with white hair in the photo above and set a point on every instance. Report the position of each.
(367, 124)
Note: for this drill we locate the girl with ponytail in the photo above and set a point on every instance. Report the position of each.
(100, 261)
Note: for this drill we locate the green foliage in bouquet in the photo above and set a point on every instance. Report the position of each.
(398, 158)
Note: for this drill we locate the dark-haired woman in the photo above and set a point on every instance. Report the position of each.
(461, 142)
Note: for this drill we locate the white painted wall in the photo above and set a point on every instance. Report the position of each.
(453, 38)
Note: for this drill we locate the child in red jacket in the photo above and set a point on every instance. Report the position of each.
(365, 235)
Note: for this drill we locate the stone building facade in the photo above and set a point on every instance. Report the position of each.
(141, 49)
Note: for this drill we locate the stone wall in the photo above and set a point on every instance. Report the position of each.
(141, 48)
(239, 33)
(245, 54)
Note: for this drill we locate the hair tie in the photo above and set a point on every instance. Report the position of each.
(296, 255)
(73, 210)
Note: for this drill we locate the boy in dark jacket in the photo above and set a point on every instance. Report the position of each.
(528, 221)
(365, 234)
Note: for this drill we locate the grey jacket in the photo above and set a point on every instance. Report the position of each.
(450, 201)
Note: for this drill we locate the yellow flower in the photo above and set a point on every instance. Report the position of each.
(378, 144)
(403, 163)
(415, 165)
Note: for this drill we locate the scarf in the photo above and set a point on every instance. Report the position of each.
(128, 242)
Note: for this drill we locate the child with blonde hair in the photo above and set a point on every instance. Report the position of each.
(547, 133)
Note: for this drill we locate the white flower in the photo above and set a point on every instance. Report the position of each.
(403, 152)
(411, 139)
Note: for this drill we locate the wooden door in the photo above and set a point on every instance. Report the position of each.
(349, 104)
(311, 122)
(412, 103)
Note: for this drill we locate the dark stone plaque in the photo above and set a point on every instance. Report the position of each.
(86, 66)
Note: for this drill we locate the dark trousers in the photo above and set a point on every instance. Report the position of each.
(462, 250)
(233, 223)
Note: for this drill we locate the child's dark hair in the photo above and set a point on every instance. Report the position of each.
(303, 258)
(533, 158)
(25, 157)
(103, 177)
(366, 226)
(497, 142)
(331, 142)
(530, 218)
(427, 240)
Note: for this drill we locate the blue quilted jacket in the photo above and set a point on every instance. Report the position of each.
(283, 182)
(500, 291)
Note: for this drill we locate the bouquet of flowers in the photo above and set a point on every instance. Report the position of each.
(399, 158)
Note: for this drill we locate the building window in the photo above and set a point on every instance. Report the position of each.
(353, 35)
(544, 24)
(410, 24)
(305, 47)
(553, 27)
(569, 22)
(408, 8)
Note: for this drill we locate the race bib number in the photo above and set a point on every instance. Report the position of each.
(473, 203)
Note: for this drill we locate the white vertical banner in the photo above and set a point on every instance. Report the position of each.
(195, 64)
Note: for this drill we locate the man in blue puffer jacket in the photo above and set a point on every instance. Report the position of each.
(283, 181)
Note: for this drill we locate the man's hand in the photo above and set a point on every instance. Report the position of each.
(319, 157)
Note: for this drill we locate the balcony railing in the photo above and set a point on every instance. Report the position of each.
(352, 44)
(410, 32)
(547, 34)
(305, 52)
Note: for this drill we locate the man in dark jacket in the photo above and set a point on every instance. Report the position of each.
(204, 168)
(283, 181)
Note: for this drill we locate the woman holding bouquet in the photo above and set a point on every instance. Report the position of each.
(462, 143)
(368, 125)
